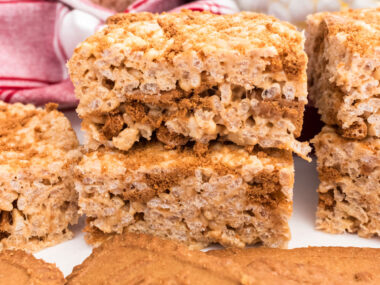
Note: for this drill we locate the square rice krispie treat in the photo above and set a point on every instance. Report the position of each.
(227, 196)
(344, 70)
(38, 201)
(349, 192)
(192, 76)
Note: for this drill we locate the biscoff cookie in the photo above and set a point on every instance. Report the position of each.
(21, 268)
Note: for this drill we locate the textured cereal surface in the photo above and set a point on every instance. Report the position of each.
(38, 148)
(196, 76)
(344, 70)
(349, 192)
(228, 195)
(18, 267)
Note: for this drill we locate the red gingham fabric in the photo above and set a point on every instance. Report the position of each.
(216, 7)
(37, 37)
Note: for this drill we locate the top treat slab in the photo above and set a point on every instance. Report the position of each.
(211, 60)
(344, 69)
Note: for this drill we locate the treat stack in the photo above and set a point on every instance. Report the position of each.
(344, 74)
(190, 120)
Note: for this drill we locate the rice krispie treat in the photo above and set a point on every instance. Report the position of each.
(349, 192)
(344, 70)
(227, 196)
(38, 201)
(192, 76)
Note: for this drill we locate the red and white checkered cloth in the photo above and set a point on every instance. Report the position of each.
(37, 37)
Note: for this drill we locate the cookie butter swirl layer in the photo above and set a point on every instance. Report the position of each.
(227, 196)
(197, 76)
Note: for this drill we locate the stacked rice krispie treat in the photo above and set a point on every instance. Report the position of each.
(344, 75)
(38, 149)
(190, 120)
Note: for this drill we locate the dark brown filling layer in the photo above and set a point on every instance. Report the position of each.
(334, 173)
(136, 107)
(265, 187)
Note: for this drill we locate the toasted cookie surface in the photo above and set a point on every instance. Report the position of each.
(18, 267)
(143, 259)
(312, 265)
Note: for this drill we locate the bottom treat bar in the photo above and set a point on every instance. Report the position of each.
(349, 192)
(228, 196)
(38, 202)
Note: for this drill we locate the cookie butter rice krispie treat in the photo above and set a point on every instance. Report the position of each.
(349, 193)
(37, 197)
(227, 196)
(192, 76)
(344, 70)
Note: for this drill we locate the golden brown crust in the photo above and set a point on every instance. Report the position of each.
(359, 38)
(18, 267)
(312, 265)
(142, 259)
(361, 28)
(183, 27)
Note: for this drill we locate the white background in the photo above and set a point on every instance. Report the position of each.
(68, 254)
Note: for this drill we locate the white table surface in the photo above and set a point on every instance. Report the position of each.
(68, 254)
